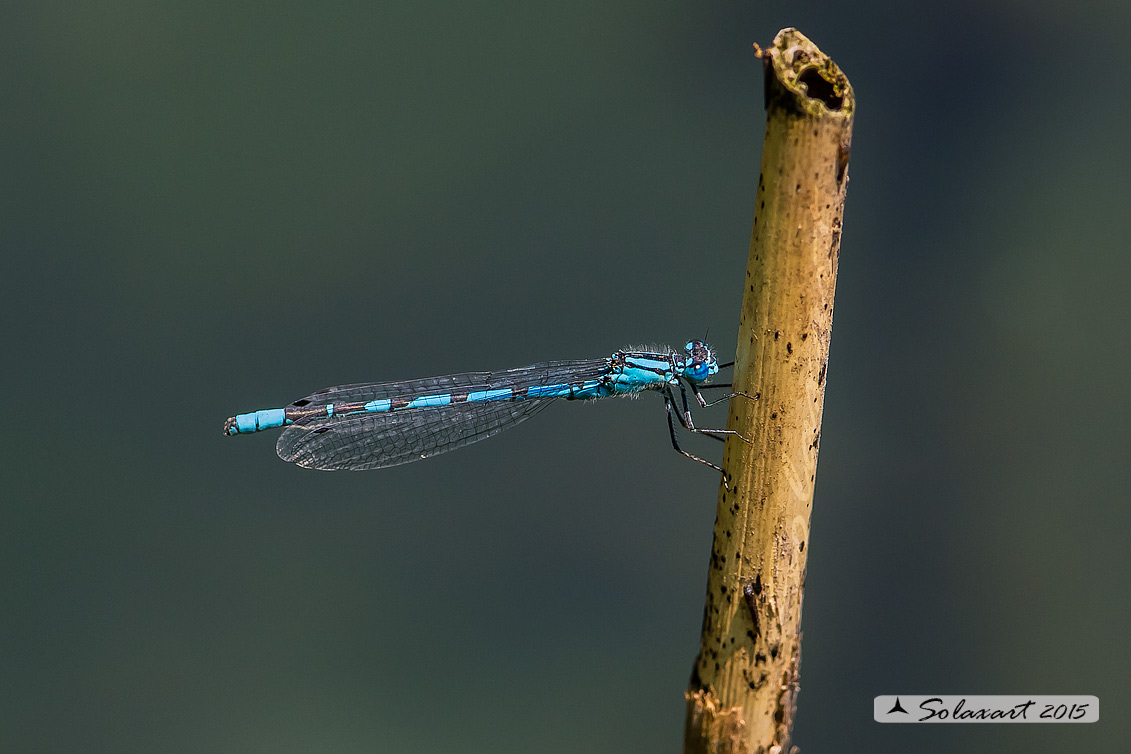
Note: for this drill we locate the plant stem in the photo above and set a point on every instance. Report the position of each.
(743, 691)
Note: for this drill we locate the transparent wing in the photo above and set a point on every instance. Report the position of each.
(545, 373)
(368, 391)
(376, 441)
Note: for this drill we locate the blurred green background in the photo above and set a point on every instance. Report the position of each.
(217, 207)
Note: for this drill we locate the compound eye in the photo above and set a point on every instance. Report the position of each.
(690, 347)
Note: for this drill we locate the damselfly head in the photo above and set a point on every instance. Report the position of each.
(700, 362)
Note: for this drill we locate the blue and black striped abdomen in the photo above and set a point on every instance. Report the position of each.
(385, 424)
(553, 379)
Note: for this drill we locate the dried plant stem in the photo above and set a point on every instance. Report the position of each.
(744, 686)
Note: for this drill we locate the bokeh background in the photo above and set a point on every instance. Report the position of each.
(215, 207)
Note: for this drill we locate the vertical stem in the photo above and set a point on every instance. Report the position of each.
(743, 689)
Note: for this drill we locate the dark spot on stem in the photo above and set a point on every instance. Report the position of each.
(750, 594)
(842, 154)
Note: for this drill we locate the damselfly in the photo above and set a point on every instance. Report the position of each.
(380, 424)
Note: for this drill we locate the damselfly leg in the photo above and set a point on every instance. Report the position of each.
(675, 440)
(689, 424)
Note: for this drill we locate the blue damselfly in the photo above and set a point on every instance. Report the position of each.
(380, 424)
